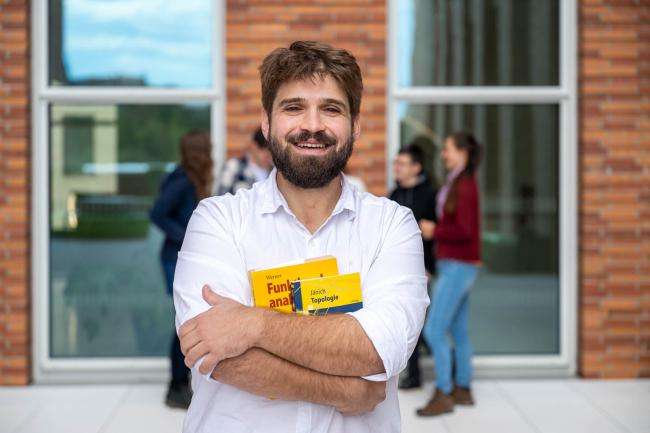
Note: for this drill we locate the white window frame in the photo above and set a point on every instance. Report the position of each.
(564, 95)
(89, 370)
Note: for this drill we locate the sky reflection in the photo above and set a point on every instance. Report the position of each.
(157, 42)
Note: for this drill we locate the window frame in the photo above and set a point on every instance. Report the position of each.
(564, 95)
(46, 369)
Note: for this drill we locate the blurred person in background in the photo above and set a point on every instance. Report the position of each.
(252, 167)
(457, 236)
(180, 192)
(415, 191)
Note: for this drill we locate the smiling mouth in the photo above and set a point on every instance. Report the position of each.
(311, 145)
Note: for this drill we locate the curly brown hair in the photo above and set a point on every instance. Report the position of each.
(308, 60)
(196, 160)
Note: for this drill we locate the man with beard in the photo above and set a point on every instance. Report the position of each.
(259, 370)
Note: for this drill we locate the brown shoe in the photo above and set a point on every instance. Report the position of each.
(440, 403)
(462, 396)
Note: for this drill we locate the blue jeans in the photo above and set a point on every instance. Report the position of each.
(449, 315)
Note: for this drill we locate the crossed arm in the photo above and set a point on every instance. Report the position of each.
(334, 344)
(285, 356)
(261, 373)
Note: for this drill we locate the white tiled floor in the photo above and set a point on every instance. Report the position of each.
(504, 406)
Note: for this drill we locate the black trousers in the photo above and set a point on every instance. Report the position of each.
(180, 372)
(413, 366)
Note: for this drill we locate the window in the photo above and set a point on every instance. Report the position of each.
(108, 294)
(479, 43)
(130, 43)
(117, 84)
(505, 70)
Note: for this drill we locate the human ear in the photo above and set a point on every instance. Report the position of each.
(356, 127)
(264, 124)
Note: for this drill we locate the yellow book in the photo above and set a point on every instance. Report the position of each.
(327, 295)
(272, 286)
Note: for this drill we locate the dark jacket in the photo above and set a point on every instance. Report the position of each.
(458, 233)
(421, 199)
(172, 211)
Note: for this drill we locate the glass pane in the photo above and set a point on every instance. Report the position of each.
(130, 43)
(107, 292)
(515, 302)
(478, 43)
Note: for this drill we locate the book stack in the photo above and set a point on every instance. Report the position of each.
(312, 286)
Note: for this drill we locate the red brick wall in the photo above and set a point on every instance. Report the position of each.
(615, 184)
(14, 193)
(255, 27)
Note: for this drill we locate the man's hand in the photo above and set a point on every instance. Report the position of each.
(363, 396)
(427, 228)
(226, 330)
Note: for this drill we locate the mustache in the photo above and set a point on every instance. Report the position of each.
(319, 136)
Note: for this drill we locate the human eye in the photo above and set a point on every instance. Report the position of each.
(332, 109)
(292, 108)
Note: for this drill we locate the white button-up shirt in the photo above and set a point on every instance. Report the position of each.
(229, 235)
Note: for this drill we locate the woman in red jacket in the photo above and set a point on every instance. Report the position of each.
(457, 237)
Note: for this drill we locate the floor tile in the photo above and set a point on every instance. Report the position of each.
(626, 403)
(27, 394)
(75, 409)
(554, 407)
(142, 410)
(491, 413)
(14, 415)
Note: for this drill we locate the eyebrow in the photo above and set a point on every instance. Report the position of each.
(337, 102)
(292, 101)
(332, 101)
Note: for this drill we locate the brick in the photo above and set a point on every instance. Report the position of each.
(615, 117)
(14, 193)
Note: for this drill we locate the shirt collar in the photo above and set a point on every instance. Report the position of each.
(348, 199)
(273, 198)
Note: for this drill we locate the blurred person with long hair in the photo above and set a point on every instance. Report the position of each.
(180, 192)
(457, 236)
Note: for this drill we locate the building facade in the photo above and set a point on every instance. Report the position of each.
(94, 98)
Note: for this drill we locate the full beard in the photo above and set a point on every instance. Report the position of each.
(309, 171)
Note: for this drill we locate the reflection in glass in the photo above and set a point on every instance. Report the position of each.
(107, 294)
(515, 302)
(130, 43)
(478, 43)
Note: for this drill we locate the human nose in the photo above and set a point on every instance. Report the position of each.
(312, 121)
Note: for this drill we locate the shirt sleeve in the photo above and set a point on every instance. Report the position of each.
(395, 295)
(209, 255)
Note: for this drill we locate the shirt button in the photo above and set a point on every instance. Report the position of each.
(312, 243)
